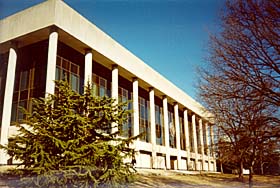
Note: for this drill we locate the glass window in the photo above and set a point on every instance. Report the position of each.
(204, 139)
(23, 92)
(99, 86)
(159, 125)
(144, 120)
(3, 72)
(21, 104)
(24, 80)
(67, 70)
(172, 130)
(198, 137)
(182, 134)
(57, 74)
(74, 82)
(127, 126)
(191, 141)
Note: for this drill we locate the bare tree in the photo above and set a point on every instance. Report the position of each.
(248, 48)
(241, 83)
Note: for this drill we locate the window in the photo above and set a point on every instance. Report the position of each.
(191, 141)
(159, 125)
(23, 93)
(182, 134)
(198, 136)
(125, 96)
(144, 122)
(172, 130)
(3, 72)
(204, 129)
(100, 86)
(67, 70)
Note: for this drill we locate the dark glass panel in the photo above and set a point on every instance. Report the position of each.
(24, 95)
(65, 64)
(24, 80)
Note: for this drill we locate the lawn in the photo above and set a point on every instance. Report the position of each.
(171, 179)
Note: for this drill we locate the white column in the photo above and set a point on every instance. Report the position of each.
(212, 140)
(207, 144)
(7, 106)
(201, 143)
(51, 65)
(153, 125)
(177, 129)
(88, 67)
(194, 140)
(166, 132)
(135, 128)
(115, 91)
(213, 146)
(186, 126)
(135, 108)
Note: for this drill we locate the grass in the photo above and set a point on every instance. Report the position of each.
(168, 179)
(202, 180)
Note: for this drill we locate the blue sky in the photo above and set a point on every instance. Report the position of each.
(169, 35)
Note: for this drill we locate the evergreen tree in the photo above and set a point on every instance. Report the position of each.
(67, 141)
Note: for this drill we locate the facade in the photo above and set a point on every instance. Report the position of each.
(50, 41)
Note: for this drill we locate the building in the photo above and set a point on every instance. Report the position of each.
(51, 40)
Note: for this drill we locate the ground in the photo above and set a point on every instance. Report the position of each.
(181, 179)
(165, 179)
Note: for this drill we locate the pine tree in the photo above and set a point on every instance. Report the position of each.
(67, 141)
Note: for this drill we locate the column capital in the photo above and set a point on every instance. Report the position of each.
(134, 79)
(14, 44)
(88, 50)
(114, 66)
(53, 28)
(151, 89)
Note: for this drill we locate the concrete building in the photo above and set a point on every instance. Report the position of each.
(51, 40)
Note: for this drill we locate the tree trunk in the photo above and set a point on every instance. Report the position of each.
(262, 168)
(241, 171)
(262, 164)
(222, 169)
(251, 177)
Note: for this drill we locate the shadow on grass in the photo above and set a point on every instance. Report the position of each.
(204, 180)
(163, 181)
(9, 180)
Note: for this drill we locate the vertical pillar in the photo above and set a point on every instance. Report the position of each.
(51, 65)
(135, 128)
(115, 91)
(194, 140)
(212, 141)
(166, 132)
(207, 144)
(186, 127)
(135, 107)
(88, 67)
(213, 146)
(153, 125)
(201, 143)
(7, 106)
(177, 129)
